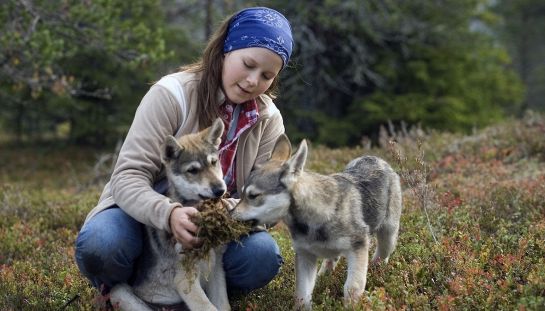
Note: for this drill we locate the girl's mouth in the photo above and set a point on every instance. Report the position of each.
(242, 89)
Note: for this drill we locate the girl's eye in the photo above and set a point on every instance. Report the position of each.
(248, 65)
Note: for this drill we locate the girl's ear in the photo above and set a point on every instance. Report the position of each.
(297, 162)
(282, 149)
(171, 149)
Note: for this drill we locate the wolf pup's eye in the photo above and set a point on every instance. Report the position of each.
(253, 196)
(214, 162)
(193, 170)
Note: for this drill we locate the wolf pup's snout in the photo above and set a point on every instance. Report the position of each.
(218, 191)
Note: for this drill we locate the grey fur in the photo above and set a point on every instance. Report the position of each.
(328, 215)
(160, 278)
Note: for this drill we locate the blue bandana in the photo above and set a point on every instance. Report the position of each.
(260, 27)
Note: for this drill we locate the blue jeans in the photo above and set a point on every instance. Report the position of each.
(109, 244)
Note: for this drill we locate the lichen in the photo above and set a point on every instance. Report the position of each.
(216, 227)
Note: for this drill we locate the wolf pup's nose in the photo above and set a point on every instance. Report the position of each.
(218, 191)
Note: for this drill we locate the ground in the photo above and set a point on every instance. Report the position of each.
(471, 231)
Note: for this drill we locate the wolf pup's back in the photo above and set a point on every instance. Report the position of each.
(380, 190)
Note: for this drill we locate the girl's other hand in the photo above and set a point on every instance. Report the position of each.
(183, 228)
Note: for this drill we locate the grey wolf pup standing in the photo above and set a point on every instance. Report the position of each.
(328, 216)
(194, 174)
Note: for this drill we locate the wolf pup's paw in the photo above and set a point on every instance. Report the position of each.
(377, 260)
(352, 297)
(302, 305)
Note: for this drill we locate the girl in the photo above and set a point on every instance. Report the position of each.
(234, 80)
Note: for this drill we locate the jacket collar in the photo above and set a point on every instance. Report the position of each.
(221, 96)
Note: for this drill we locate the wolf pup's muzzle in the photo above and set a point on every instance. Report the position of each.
(218, 191)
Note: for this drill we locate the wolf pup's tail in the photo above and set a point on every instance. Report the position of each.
(387, 233)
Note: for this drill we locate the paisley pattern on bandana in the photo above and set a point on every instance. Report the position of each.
(260, 27)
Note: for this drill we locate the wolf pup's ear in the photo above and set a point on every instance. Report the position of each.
(171, 148)
(282, 149)
(214, 132)
(297, 162)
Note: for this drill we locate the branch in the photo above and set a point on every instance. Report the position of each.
(416, 179)
(35, 20)
(97, 94)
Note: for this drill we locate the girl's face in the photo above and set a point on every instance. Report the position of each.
(248, 73)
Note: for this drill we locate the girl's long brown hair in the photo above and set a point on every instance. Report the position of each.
(210, 66)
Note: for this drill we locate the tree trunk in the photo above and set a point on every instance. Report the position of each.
(19, 121)
(208, 19)
(523, 51)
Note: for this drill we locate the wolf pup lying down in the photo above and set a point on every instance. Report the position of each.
(194, 174)
(328, 216)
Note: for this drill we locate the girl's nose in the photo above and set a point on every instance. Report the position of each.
(252, 79)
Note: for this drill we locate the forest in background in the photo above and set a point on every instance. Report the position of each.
(76, 70)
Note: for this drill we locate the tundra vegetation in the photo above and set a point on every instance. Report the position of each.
(471, 231)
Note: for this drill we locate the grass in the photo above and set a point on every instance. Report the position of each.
(486, 208)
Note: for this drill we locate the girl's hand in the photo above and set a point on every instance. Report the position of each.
(183, 228)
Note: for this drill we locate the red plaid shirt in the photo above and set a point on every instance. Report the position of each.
(247, 116)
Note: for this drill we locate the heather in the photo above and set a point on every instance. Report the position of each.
(471, 232)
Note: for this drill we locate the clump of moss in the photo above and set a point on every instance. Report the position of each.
(216, 227)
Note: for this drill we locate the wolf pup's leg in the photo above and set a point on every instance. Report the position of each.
(192, 292)
(386, 242)
(122, 296)
(357, 262)
(388, 231)
(328, 265)
(217, 288)
(305, 278)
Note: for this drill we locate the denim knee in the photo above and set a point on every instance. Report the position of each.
(252, 263)
(107, 247)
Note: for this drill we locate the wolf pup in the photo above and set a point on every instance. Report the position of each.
(194, 174)
(328, 216)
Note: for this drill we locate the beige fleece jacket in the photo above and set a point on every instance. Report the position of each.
(169, 108)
